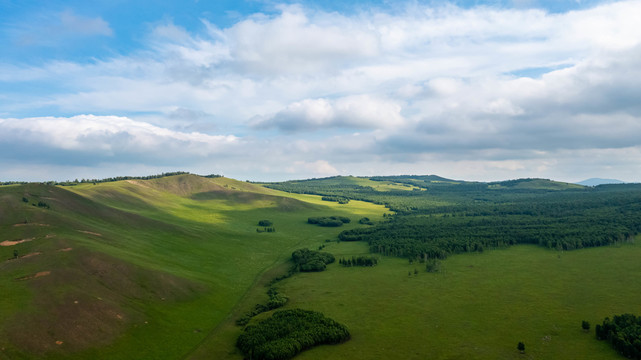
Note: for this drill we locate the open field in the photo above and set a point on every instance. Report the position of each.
(478, 307)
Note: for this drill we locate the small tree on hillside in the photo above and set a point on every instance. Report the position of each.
(585, 326)
(521, 347)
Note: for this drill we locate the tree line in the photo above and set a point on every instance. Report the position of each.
(111, 179)
(358, 261)
(339, 199)
(329, 221)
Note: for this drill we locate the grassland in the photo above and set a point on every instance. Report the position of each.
(478, 307)
(161, 268)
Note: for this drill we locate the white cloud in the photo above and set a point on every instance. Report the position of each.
(105, 137)
(361, 112)
(295, 43)
(316, 168)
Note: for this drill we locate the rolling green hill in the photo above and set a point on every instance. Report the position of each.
(116, 269)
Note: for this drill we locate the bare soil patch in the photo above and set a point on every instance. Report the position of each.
(90, 232)
(36, 275)
(15, 242)
(29, 224)
(65, 249)
(30, 254)
(139, 183)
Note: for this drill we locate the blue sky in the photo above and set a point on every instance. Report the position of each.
(275, 90)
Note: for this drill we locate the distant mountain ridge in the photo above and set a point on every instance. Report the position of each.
(599, 181)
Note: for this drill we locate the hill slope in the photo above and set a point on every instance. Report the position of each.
(113, 270)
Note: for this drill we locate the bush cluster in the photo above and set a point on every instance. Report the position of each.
(623, 332)
(275, 301)
(310, 260)
(329, 221)
(288, 332)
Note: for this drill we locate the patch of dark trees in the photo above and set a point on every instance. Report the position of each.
(329, 221)
(266, 226)
(365, 221)
(309, 260)
(358, 261)
(338, 199)
(42, 204)
(288, 332)
(275, 301)
(623, 332)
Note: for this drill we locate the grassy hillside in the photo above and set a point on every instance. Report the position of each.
(113, 270)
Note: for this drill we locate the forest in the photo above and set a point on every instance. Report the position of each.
(439, 217)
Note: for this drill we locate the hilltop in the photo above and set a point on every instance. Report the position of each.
(599, 181)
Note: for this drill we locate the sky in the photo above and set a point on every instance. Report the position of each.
(268, 90)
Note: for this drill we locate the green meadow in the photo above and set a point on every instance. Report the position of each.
(479, 306)
(162, 268)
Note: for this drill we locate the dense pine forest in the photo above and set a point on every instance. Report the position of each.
(434, 217)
